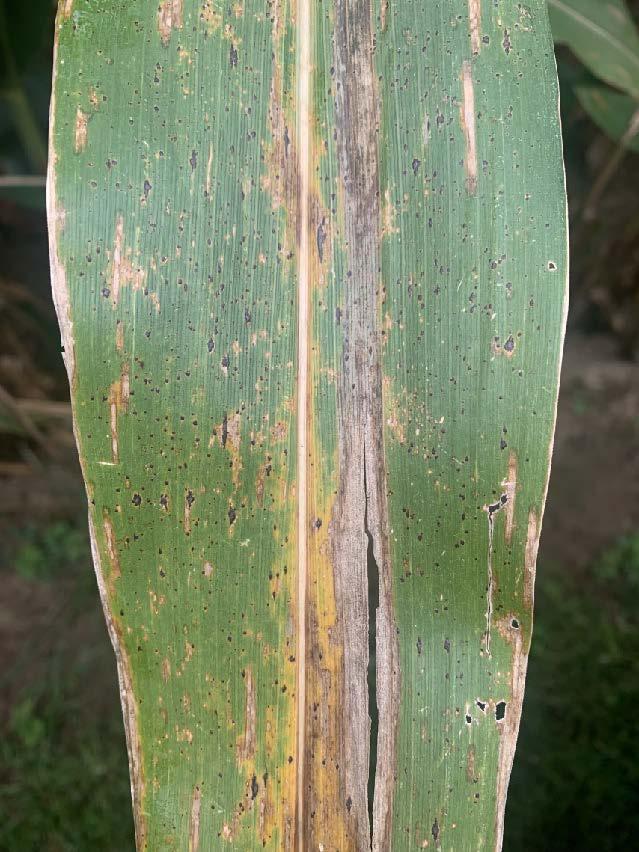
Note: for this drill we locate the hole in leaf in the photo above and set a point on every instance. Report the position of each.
(372, 570)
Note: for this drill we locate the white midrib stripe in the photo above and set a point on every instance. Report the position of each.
(303, 270)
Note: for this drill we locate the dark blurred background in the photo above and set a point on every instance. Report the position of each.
(63, 769)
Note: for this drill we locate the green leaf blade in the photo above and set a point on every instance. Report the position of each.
(603, 35)
(474, 268)
(612, 112)
(182, 320)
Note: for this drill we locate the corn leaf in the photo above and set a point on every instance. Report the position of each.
(612, 112)
(603, 35)
(310, 267)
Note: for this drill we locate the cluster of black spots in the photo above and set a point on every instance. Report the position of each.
(495, 507)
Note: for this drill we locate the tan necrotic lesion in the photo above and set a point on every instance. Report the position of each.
(474, 19)
(468, 125)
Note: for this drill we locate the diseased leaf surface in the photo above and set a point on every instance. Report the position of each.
(473, 286)
(178, 251)
(196, 199)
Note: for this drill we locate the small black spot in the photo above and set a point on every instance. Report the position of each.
(247, 316)
(232, 515)
(147, 189)
(233, 56)
(211, 344)
(416, 164)
(106, 292)
(190, 499)
(317, 523)
(137, 500)
(349, 804)
(500, 711)
(469, 718)
(420, 645)
(502, 444)
(551, 266)
(225, 429)
(514, 624)
(435, 831)
(447, 645)
(255, 787)
(509, 345)
(193, 160)
(164, 501)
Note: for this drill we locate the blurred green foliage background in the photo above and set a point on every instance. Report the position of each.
(63, 769)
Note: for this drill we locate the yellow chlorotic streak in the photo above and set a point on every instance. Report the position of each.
(303, 77)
